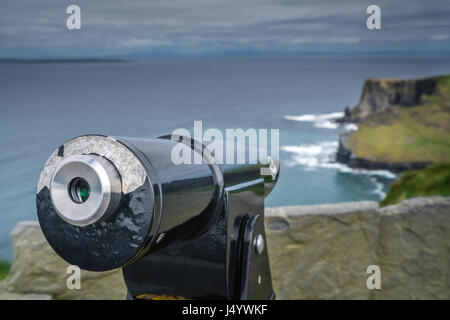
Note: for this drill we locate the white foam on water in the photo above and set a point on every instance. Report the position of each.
(319, 120)
(312, 155)
(322, 155)
(378, 188)
(351, 127)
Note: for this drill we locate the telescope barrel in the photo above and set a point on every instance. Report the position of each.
(104, 202)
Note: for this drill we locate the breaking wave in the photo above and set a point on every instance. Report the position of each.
(378, 188)
(323, 120)
(351, 127)
(319, 120)
(322, 155)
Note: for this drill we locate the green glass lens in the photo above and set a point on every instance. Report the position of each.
(79, 190)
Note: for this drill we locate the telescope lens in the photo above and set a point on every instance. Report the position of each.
(79, 190)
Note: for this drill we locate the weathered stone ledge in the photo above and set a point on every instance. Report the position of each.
(323, 251)
(316, 252)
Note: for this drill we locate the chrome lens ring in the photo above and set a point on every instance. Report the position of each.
(102, 185)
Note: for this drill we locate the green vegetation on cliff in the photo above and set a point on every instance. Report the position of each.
(434, 180)
(408, 134)
(4, 269)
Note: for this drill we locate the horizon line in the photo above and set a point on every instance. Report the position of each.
(137, 56)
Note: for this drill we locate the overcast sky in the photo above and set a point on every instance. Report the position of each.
(140, 27)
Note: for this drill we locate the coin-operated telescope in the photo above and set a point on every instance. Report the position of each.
(177, 229)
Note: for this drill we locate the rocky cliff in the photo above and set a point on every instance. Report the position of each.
(316, 252)
(402, 124)
(381, 94)
(347, 155)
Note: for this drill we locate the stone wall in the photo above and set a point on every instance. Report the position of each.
(316, 252)
(322, 252)
(39, 273)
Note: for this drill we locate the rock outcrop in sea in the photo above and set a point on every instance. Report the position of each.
(402, 124)
(382, 94)
(347, 156)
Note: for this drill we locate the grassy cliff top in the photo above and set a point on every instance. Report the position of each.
(4, 269)
(412, 134)
(434, 180)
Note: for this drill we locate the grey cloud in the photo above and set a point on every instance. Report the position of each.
(112, 27)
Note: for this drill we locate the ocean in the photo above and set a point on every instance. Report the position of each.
(45, 104)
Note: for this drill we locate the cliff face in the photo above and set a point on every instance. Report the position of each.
(346, 155)
(402, 124)
(380, 94)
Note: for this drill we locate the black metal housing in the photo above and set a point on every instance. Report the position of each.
(191, 228)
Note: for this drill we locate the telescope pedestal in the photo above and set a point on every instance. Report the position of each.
(225, 262)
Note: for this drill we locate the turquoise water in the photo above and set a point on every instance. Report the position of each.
(44, 104)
